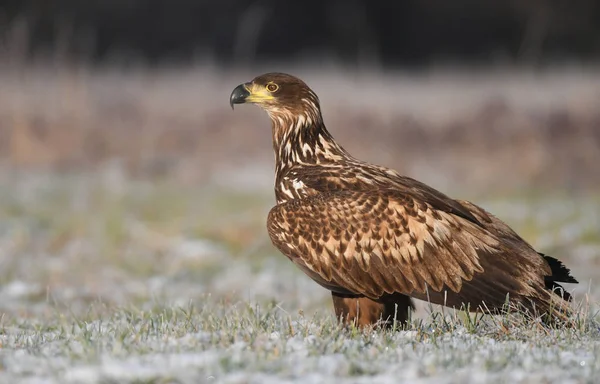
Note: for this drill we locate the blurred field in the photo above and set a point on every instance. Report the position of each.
(489, 130)
(133, 246)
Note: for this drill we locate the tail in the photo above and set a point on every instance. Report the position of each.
(553, 304)
(560, 273)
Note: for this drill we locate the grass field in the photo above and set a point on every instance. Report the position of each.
(133, 246)
(106, 279)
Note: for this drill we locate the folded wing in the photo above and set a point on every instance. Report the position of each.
(377, 243)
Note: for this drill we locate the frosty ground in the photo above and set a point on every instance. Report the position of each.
(105, 279)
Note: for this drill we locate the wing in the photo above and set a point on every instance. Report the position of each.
(503, 232)
(382, 242)
(368, 177)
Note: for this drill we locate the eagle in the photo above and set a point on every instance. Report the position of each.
(376, 239)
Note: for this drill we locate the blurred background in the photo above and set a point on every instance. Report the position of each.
(126, 177)
(463, 92)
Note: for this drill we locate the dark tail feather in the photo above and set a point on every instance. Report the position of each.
(559, 271)
(561, 274)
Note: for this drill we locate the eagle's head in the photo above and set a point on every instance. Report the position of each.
(283, 96)
(299, 134)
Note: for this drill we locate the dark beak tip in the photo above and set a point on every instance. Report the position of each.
(238, 95)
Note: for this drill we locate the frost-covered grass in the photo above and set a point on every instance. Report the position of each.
(241, 342)
(110, 280)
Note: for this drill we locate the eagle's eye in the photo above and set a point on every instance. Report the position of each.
(272, 87)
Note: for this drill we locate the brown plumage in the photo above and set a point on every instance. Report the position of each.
(375, 238)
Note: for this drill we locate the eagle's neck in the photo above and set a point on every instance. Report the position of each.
(302, 138)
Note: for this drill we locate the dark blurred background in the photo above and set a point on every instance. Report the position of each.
(433, 86)
(390, 33)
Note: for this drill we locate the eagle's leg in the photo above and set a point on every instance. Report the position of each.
(364, 312)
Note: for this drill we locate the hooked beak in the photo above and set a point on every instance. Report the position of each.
(239, 94)
(251, 93)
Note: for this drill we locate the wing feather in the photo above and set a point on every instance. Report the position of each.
(394, 245)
